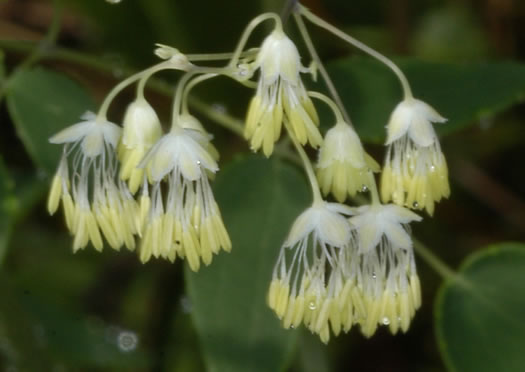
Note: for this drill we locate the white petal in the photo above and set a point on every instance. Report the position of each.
(73, 133)
(400, 120)
(428, 112)
(112, 133)
(398, 236)
(333, 228)
(302, 226)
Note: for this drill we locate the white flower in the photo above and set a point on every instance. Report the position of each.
(389, 291)
(141, 129)
(185, 222)
(280, 91)
(93, 198)
(415, 172)
(343, 166)
(307, 277)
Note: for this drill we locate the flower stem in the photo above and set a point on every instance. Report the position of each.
(326, 77)
(248, 31)
(358, 44)
(102, 112)
(434, 261)
(190, 86)
(307, 166)
(333, 106)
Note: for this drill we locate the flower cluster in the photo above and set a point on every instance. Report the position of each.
(340, 266)
(334, 272)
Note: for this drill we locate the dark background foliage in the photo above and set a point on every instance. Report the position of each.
(65, 312)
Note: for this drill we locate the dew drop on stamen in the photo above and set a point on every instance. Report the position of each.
(374, 275)
(432, 168)
(311, 305)
(364, 188)
(198, 162)
(415, 204)
(386, 321)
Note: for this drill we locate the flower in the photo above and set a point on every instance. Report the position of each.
(388, 285)
(141, 130)
(306, 279)
(94, 199)
(187, 221)
(415, 174)
(280, 91)
(343, 166)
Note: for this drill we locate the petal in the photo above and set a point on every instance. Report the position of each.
(73, 133)
(398, 236)
(399, 122)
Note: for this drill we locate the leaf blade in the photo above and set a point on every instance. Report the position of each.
(243, 334)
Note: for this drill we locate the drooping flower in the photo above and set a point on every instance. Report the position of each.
(307, 277)
(86, 182)
(280, 91)
(415, 174)
(343, 166)
(141, 129)
(183, 219)
(388, 285)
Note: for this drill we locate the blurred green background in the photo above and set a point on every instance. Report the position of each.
(108, 312)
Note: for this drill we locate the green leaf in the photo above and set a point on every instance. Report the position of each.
(259, 200)
(463, 93)
(7, 208)
(42, 102)
(480, 315)
(61, 335)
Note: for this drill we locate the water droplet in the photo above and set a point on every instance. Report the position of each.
(186, 305)
(113, 1)
(374, 275)
(292, 326)
(386, 321)
(219, 107)
(127, 341)
(311, 305)
(398, 318)
(364, 188)
(432, 168)
(198, 162)
(415, 204)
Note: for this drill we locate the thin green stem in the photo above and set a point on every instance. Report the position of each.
(248, 31)
(177, 100)
(102, 113)
(358, 44)
(190, 86)
(148, 74)
(333, 106)
(219, 56)
(39, 49)
(307, 166)
(434, 261)
(326, 77)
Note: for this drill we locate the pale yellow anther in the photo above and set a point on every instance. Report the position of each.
(54, 195)
(282, 301)
(69, 211)
(191, 250)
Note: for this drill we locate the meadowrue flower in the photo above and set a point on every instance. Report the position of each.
(307, 277)
(343, 164)
(141, 130)
(415, 172)
(94, 199)
(280, 91)
(186, 222)
(388, 285)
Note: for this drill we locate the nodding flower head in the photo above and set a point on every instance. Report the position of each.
(343, 166)
(307, 278)
(388, 289)
(186, 220)
(280, 92)
(141, 130)
(86, 182)
(415, 174)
